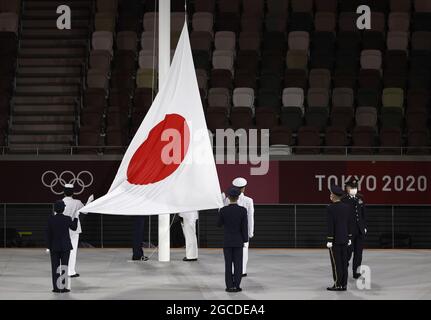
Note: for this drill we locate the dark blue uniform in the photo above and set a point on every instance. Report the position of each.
(234, 220)
(58, 242)
(138, 237)
(359, 225)
(339, 233)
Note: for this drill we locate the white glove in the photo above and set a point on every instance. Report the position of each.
(329, 245)
(365, 230)
(251, 236)
(47, 250)
(349, 243)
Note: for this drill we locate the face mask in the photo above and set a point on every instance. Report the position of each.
(353, 192)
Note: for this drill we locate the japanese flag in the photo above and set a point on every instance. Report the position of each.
(169, 166)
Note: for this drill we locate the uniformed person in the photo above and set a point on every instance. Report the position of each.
(58, 241)
(233, 218)
(188, 224)
(138, 238)
(339, 238)
(248, 204)
(72, 210)
(359, 227)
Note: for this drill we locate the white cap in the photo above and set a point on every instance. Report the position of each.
(68, 186)
(239, 182)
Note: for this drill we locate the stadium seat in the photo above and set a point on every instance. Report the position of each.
(205, 6)
(225, 40)
(299, 40)
(318, 97)
(219, 97)
(391, 117)
(342, 117)
(249, 41)
(363, 139)
(400, 6)
(97, 79)
(292, 118)
(203, 21)
(418, 141)
(281, 137)
(243, 97)
(325, 21)
(397, 40)
(335, 140)
(221, 78)
(9, 22)
(146, 78)
(343, 97)
(102, 40)
(276, 22)
(366, 117)
(308, 141)
(104, 21)
(393, 97)
(399, 21)
(302, 5)
(371, 59)
(326, 5)
(216, 118)
(100, 59)
(390, 141)
(127, 40)
(295, 78)
(317, 117)
(241, 117)
(266, 118)
(421, 40)
(320, 78)
(297, 59)
(368, 97)
(278, 6)
(293, 97)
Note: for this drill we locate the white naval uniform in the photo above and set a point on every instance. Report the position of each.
(72, 210)
(247, 203)
(189, 230)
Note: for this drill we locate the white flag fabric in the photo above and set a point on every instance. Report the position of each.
(169, 166)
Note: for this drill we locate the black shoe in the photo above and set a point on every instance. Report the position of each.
(238, 289)
(56, 290)
(244, 274)
(343, 289)
(76, 275)
(230, 290)
(333, 288)
(356, 275)
(144, 258)
(65, 291)
(185, 259)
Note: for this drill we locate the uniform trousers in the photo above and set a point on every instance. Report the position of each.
(189, 230)
(74, 238)
(58, 258)
(338, 256)
(233, 257)
(356, 250)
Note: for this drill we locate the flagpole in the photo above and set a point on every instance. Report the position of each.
(164, 64)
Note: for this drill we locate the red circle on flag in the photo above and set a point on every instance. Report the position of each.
(157, 159)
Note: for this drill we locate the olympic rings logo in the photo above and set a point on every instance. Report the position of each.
(56, 183)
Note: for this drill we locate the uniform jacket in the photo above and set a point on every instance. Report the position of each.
(72, 210)
(234, 220)
(57, 235)
(358, 212)
(339, 223)
(247, 203)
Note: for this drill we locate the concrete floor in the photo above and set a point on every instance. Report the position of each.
(273, 274)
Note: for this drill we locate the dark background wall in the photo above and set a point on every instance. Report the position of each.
(276, 226)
